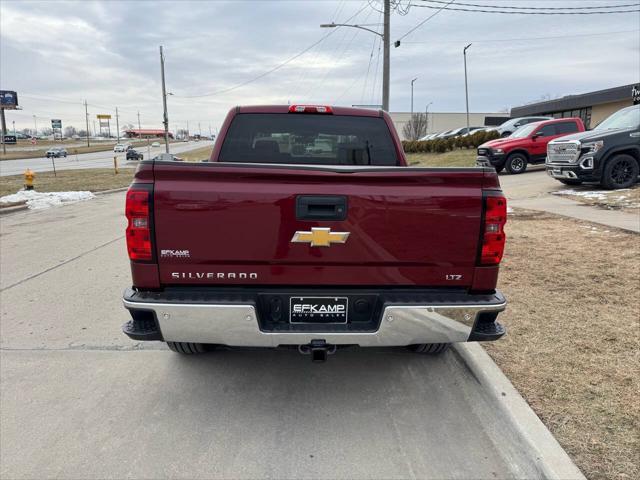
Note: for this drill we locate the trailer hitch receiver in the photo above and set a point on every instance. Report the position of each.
(318, 349)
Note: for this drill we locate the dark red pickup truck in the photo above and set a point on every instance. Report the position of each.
(307, 229)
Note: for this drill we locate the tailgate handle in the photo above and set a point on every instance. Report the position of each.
(321, 207)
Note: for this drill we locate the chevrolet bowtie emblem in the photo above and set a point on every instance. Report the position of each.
(320, 237)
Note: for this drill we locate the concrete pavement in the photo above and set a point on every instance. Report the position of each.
(532, 190)
(80, 400)
(91, 160)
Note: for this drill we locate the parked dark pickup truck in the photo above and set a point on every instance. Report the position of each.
(609, 154)
(307, 229)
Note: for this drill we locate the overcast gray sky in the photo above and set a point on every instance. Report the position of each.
(56, 54)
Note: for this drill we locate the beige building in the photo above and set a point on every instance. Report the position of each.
(440, 121)
(592, 107)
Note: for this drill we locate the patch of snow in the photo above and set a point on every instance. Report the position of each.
(38, 200)
(585, 194)
(509, 209)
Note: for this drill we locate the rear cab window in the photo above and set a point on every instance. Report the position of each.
(566, 127)
(308, 139)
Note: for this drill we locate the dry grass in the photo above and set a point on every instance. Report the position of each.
(627, 199)
(573, 341)
(455, 158)
(93, 180)
(196, 155)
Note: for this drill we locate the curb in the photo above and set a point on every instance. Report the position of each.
(113, 190)
(8, 210)
(549, 456)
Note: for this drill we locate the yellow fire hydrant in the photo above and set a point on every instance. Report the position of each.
(28, 179)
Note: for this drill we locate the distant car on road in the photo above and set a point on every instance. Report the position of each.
(133, 154)
(609, 154)
(526, 145)
(510, 126)
(155, 144)
(56, 152)
(120, 147)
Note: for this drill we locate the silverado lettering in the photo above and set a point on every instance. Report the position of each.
(211, 275)
(283, 190)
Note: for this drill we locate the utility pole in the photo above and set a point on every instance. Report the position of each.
(139, 127)
(4, 129)
(35, 126)
(164, 103)
(210, 135)
(199, 130)
(188, 137)
(117, 126)
(86, 116)
(412, 81)
(466, 88)
(385, 66)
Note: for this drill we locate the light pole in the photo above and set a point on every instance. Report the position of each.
(412, 81)
(35, 126)
(466, 88)
(164, 103)
(385, 36)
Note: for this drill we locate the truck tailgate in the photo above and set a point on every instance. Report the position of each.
(220, 223)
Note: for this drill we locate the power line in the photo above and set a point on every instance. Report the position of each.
(277, 67)
(528, 38)
(509, 7)
(506, 12)
(425, 20)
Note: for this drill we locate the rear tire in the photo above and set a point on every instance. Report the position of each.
(620, 172)
(516, 163)
(429, 348)
(571, 182)
(186, 348)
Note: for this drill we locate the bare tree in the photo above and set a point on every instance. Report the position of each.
(69, 131)
(416, 127)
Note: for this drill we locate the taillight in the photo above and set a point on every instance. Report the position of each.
(493, 238)
(310, 109)
(139, 226)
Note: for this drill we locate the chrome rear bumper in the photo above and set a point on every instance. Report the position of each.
(238, 325)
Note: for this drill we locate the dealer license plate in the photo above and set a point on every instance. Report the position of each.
(318, 309)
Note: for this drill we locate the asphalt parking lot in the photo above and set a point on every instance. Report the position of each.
(80, 400)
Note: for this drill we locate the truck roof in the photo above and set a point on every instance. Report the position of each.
(357, 112)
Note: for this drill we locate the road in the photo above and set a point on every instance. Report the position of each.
(81, 400)
(90, 160)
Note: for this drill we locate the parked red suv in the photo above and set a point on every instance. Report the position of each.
(526, 145)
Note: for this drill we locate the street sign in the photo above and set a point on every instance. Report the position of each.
(8, 99)
(102, 116)
(10, 139)
(56, 123)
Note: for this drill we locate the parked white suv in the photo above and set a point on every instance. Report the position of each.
(120, 147)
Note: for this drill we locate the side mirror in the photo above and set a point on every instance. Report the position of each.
(536, 135)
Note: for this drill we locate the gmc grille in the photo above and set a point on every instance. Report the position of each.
(566, 152)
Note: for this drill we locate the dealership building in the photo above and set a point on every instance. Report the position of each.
(592, 107)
